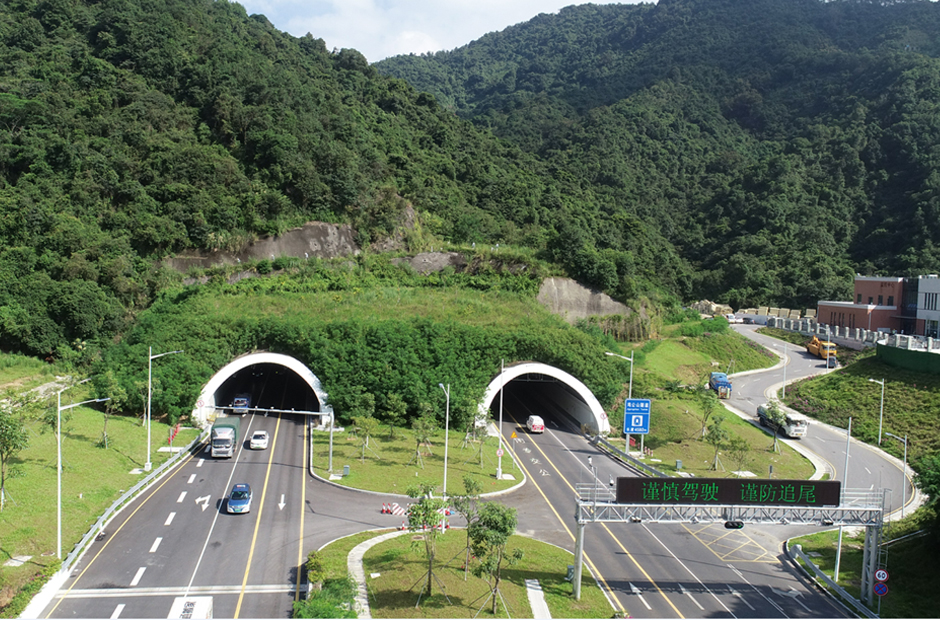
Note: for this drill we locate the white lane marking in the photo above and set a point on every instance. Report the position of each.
(156, 544)
(177, 591)
(692, 598)
(791, 593)
(281, 504)
(204, 500)
(180, 499)
(694, 576)
(753, 587)
(140, 573)
(191, 478)
(635, 590)
(741, 598)
(169, 519)
(117, 611)
(200, 462)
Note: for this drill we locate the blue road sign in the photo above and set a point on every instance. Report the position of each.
(880, 588)
(636, 416)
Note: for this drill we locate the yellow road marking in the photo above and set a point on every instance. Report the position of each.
(303, 502)
(254, 538)
(726, 557)
(591, 564)
(120, 527)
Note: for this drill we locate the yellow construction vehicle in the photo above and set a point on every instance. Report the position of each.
(822, 348)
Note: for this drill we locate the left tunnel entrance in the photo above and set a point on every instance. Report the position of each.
(270, 386)
(273, 381)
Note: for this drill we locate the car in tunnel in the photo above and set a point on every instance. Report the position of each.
(535, 424)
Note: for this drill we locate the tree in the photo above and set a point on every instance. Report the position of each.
(740, 451)
(776, 418)
(927, 477)
(108, 384)
(466, 506)
(424, 516)
(708, 402)
(423, 427)
(490, 534)
(365, 427)
(13, 438)
(717, 436)
(395, 411)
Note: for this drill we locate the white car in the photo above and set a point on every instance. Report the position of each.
(535, 424)
(259, 440)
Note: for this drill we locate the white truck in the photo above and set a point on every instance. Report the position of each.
(224, 437)
(795, 425)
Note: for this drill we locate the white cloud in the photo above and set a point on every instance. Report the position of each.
(383, 28)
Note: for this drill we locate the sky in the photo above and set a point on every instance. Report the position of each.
(383, 28)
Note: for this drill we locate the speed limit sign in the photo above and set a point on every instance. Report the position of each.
(881, 575)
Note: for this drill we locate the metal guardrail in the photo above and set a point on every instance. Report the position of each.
(647, 469)
(119, 503)
(795, 551)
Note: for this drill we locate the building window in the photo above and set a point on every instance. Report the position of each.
(881, 300)
(930, 301)
(870, 300)
(859, 300)
(890, 300)
(933, 329)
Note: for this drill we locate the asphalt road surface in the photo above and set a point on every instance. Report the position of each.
(177, 538)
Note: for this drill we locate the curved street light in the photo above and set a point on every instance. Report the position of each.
(58, 433)
(148, 464)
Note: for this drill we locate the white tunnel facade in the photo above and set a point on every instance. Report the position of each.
(590, 413)
(206, 405)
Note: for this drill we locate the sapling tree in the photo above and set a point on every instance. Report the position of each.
(777, 419)
(717, 436)
(489, 535)
(466, 506)
(14, 437)
(424, 515)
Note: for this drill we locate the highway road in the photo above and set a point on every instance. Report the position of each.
(177, 539)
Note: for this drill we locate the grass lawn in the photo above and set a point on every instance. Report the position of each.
(399, 565)
(676, 431)
(92, 478)
(390, 466)
(912, 589)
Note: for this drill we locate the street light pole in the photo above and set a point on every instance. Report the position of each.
(784, 370)
(58, 432)
(446, 431)
(903, 472)
(151, 357)
(499, 452)
(881, 414)
(629, 389)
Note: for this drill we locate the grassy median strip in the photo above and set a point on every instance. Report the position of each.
(398, 565)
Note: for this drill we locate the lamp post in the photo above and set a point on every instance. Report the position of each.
(881, 413)
(446, 431)
(58, 433)
(784, 370)
(148, 464)
(629, 389)
(903, 472)
(499, 452)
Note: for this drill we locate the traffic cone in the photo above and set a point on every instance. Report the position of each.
(403, 528)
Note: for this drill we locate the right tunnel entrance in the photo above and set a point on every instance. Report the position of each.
(532, 388)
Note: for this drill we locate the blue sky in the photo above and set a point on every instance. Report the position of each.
(383, 28)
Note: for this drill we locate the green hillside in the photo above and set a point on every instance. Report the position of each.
(780, 146)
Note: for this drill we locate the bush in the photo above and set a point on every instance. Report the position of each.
(335, 600)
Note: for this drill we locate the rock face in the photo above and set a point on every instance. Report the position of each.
(708, 307)
(430, 262)
(314, 239)
(573, 301)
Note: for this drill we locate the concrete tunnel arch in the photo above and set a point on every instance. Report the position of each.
(595, 418)
(206, 405)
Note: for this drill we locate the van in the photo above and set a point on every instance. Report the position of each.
(535, 424)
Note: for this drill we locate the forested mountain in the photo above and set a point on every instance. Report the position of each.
(781, 146)
(133, 129)
(751, 152)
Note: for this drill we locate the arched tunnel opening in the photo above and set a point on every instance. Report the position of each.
(270, 386)
(556, 402)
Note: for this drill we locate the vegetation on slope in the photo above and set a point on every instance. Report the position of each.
(780, 146)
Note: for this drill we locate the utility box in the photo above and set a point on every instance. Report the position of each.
(345, 470)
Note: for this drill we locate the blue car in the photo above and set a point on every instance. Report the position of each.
(239, 500)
